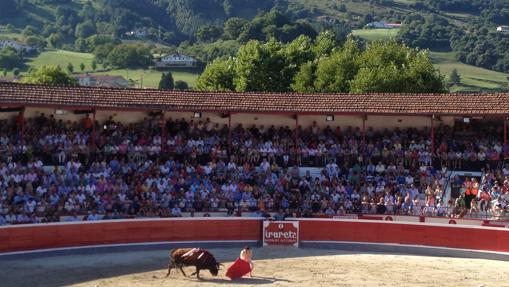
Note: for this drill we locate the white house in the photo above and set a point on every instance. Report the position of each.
(106, 81)
(176, 60)
(139, 32)
(503, 29)
(383, 25)
(18, 46)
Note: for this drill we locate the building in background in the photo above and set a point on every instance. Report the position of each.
(105, 81)
(383, 25)
(503, 29)
(138, 32)
(176, 60)
(18, 46)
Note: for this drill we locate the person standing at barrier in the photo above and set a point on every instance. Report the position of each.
(468, 184)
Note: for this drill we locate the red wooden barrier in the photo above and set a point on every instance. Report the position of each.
(477, 238)
(32, 237)
(17, 238)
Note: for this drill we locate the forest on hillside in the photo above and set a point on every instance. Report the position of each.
(208, 29)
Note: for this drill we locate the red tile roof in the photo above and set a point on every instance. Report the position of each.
(13, 94)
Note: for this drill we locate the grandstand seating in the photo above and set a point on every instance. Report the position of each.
(53, 170)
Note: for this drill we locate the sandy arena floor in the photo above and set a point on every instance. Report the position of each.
(273, 266)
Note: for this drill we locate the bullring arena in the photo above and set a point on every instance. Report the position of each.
(376, 253)
(98, 185)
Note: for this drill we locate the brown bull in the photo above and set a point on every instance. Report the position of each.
(200, 258)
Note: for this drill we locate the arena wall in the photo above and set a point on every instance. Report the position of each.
(59, 235)
(43, 236)
(424, 234)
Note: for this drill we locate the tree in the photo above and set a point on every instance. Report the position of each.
(70, 68)
(426, 32)
(82, 67)
(101, 52)
(169, 37)
(233, 27)
(80, 45)
(30, 31)
(181, 85)
(92, 42)
(258, 68)
(324, 44)
(36, 42)
(217, 76)
(304, 81)
(49, 76)
(10, 58)
(16, 72)
(209, 33)
(455, 77)
(390, 67)
(55, 40)
(85, 29)
(94, 65)
(166, 82)
(481, 47)
(324, 67)
(334, 73)
(130, 56)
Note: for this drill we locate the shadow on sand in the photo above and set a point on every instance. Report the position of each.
(255, 280)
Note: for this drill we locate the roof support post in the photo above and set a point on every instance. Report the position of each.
(505, 137)
(93, 129)
(229, 134)
(432, 135)
(363, 131)
(22, 126)
(296, 133)
(163, 129)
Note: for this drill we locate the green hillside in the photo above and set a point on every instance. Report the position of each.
(196, 28)
(375, 34)
(143, 78)
(473, 79)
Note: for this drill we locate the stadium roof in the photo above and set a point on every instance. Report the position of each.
(16, 95)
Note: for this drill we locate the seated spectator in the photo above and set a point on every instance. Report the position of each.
(93, 216)
(176, 212)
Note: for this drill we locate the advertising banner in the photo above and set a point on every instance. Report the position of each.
(281, 233)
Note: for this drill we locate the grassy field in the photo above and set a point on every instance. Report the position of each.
(375, 34)
(143, 78)
(472, 78)
(63, 58)
(151, 78)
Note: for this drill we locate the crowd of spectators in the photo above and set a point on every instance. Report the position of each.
(52, 170)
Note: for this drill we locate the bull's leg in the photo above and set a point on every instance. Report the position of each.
(182, 270)
(170, 266)
(197, 272)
